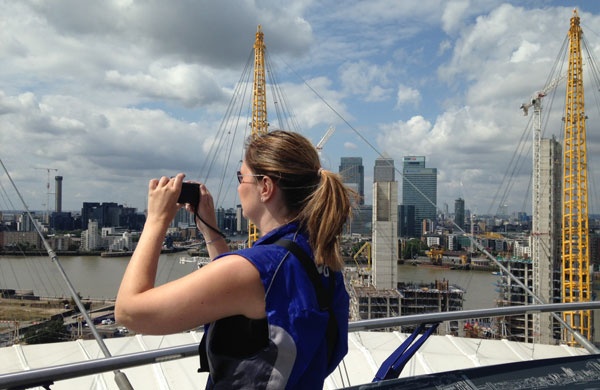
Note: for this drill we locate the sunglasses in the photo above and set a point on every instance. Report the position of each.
(240, 176)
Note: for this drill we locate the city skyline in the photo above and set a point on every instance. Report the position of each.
(351, 165)
(442, 79)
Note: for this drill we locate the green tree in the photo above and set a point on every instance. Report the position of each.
(413, 248)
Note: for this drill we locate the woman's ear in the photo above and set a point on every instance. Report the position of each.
(267, 188)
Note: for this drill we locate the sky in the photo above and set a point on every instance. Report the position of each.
(110, 94)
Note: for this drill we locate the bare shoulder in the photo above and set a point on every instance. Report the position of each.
(239, 267)
(234, 281)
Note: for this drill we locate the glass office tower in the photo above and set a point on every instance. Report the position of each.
(419, 189)
(353, 175)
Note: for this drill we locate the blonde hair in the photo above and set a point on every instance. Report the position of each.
(319, 199)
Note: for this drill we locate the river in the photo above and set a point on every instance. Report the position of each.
(99, 277)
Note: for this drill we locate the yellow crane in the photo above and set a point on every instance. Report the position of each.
(366, 247)
(576, 284)
(435, 254)
(259, 124)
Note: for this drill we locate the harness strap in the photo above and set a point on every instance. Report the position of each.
(324, 298)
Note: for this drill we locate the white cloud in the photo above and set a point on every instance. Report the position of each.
(117, 92)
(189, 84)
(453, 16)
(407, 95)
(525, 52)
(366, 79)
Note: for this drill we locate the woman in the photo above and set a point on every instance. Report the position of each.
(270, 324)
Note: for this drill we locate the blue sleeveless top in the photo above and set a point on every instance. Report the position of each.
(288, 349)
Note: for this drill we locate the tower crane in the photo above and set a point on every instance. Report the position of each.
(259, 123)
(576, 283)
(48, 189)
(536, 99)
(325, 138)
(536, 229)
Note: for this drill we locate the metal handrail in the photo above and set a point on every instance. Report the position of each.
(48, 375)
(465, 314)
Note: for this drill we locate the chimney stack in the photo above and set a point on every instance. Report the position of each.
(58, 193)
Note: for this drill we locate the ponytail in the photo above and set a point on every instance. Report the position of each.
(324, 215)
(317, 198)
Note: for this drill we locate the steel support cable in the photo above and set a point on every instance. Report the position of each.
(120, 378)
(576, 335)
(213, 151)
(38, 275)
(527, 198)
(226, 131)
(231, 137)
(514, 166)
(281, 103)
(10, 265)
(520, 162)
(233, 132)
(31, 265)
(553, 75)
(544, 120)
(5, 198)
(582, 340)
(276, 98)
(230, 127)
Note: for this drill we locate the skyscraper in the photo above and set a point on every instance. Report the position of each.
(406, 221)
(384, 169)
(545, 238)
(419, 189)
(353, 175)
(385, 226)
(459, 213)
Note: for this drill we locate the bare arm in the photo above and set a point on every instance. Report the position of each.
(226, 287)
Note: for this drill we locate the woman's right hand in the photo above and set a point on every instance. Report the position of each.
(162, 198)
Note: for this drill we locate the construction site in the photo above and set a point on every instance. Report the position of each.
(553, 263)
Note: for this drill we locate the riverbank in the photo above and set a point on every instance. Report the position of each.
(40, 252)
(18, 315)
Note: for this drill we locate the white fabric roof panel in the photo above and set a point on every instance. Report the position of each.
(367, 351)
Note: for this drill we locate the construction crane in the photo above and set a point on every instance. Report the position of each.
(540, 237)
(366, 247)
(48, 190)
(536, 100)
(436, 255)
(325, 138)
(576, 284)
(259, 124)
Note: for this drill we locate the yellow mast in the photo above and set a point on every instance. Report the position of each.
(576, 285)
(259, 123)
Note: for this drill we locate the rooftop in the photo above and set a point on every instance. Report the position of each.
(367, 351)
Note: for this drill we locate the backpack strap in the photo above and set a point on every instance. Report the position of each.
(324, 297)
(203, 354)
